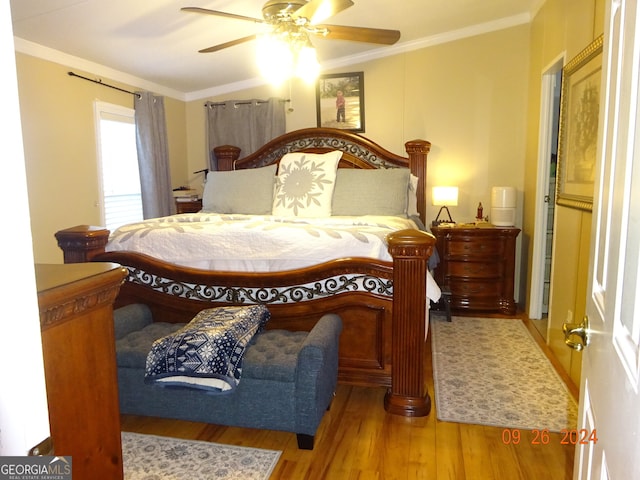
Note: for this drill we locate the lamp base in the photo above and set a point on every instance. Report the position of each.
(442, 223)
(437, 222)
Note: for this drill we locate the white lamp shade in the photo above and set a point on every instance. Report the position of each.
(279, 58)
(275, 59)
(447, 196)
(307, 66)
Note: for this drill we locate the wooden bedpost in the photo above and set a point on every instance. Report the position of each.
(226, 155)
(417, 150)
(81, 243)
(408, 395)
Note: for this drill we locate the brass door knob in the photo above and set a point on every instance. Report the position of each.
(579, 330)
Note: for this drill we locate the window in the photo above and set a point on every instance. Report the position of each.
(118, 165)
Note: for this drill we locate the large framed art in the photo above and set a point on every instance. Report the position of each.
(340, 101)
(578, 135)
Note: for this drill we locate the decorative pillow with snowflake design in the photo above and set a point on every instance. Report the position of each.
(305, 183)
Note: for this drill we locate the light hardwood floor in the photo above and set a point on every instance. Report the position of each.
(357, 439)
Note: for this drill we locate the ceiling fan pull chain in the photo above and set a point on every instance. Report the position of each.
(290, 109)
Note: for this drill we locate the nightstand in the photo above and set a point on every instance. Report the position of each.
(189, 206)
(477, 265)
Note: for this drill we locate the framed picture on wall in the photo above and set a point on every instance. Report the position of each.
(340, 101)
(578, 135)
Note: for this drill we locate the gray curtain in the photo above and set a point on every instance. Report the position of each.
(247, 124)
(153, 156)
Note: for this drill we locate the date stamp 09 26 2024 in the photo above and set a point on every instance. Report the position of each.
(513, 436)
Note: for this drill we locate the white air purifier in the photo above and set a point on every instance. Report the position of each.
(503, 206)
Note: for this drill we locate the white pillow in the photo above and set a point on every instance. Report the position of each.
(305, 183)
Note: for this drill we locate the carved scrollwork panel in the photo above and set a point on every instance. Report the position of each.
(264, 295)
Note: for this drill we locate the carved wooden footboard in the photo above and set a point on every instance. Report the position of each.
(382, 305)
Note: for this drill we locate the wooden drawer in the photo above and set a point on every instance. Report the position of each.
(464, 288)
(480, 249)
(474, 269)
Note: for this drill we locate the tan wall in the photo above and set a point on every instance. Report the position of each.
(60, 148)
(559, 28)
(467, 97)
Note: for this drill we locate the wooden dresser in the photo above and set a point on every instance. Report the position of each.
(477, 265)
(78, 345)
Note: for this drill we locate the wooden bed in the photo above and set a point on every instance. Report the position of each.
(383, 340)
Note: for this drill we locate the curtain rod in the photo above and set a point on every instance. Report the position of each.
(100, 82)
(247, 102)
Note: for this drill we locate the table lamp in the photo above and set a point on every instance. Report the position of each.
(445, 197)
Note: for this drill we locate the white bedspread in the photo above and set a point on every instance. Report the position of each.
(252, 243)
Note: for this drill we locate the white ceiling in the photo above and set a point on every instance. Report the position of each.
(154, 41)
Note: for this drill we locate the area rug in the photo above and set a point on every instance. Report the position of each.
(149, 457)
(490, 371)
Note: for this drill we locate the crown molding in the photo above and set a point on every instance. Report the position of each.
(56, 56)
(430, 41)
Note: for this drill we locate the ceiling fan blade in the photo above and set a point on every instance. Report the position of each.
(360, 34)
(319, 10)
(221, 14)
(232, 43)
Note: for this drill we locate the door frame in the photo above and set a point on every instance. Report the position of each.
(545, 139)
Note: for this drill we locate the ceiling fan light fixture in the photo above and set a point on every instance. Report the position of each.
(307, 66)
(273, 10)
(274, 58)
(287, 50)
(282, 55)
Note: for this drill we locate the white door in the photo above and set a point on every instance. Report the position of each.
(608, 436)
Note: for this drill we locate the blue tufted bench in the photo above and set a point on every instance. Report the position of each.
(288, 378)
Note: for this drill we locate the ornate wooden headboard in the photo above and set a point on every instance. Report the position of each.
(358, 152)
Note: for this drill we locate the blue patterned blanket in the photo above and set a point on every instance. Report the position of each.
(207, 352)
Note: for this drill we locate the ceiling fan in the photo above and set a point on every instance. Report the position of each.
(296, 20)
